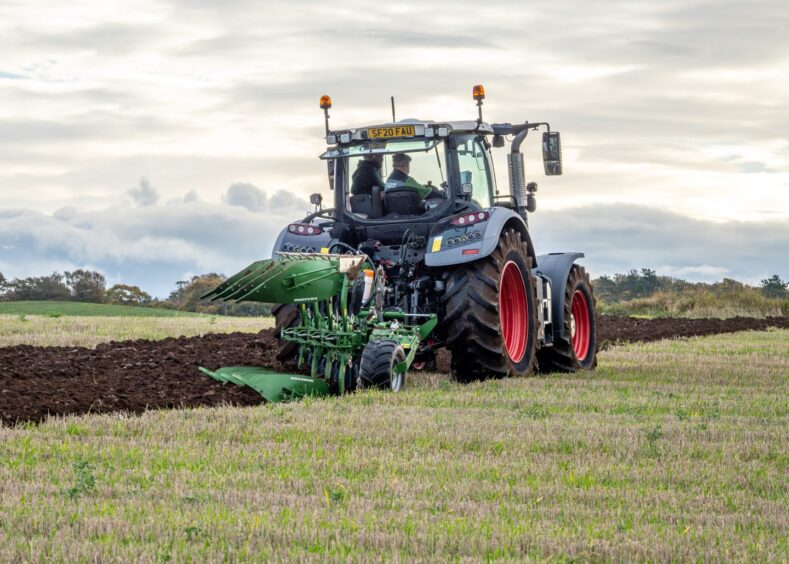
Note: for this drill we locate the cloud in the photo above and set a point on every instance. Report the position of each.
(195, 94)
(150, 246)
(156, 245)
(144, 194)
(755, 167)
(189, 198)
(617, 238)
(11, 76)
(282, 201)
(245, 195)
(702, 272)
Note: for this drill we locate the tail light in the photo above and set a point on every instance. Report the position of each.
(304, 229)
(470, 218)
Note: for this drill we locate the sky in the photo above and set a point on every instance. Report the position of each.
(154, 140)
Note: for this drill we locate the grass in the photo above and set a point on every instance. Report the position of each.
(89, 331)
(675, 450)
(57, 309)
(700, 303)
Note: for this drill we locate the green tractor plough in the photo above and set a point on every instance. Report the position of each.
(342, 334)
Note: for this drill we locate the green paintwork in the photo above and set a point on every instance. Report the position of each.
(274, 386)
(292, 278)
(330, 340)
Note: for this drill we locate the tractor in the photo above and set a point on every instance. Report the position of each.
(420, 250)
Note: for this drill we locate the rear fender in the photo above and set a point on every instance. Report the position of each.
(440, 253)
(556, 267)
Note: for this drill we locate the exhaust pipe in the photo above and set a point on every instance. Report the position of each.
(522, 192)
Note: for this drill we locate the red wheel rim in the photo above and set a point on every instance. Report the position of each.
(513, 313)
(580, 325)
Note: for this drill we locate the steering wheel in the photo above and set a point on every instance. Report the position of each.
(328, 213)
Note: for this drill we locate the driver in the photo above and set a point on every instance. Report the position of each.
(399, 178)
(367, 175)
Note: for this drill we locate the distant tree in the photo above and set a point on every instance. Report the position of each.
(50, 287)
(178, 296)
(127, 295)
(3, 285)
(86, 285)
(729, 286)
(187, 294)
(774, 287)
(636, 284)
(190, 292)
(605, 288)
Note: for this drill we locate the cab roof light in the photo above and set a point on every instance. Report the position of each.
(325, 105)
(469, 218)
(478, 92)
(479, 95)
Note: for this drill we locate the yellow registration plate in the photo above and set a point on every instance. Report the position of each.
(388, 132)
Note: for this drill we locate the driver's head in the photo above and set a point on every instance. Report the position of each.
(377, 160)
(402, 162)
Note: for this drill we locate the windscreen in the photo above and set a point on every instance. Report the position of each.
(391, 162)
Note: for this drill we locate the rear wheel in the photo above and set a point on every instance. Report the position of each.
(490, 313)
(578, 349)
(285, 317)
(379, 359)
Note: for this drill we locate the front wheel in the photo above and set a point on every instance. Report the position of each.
(577, 350)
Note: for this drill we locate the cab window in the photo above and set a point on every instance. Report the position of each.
(473, 166)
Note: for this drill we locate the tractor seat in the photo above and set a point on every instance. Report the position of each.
(362, 204)
(403, 201)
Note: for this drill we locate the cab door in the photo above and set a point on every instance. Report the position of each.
(475, 179)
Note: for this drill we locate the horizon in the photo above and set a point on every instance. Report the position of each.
(176, 283)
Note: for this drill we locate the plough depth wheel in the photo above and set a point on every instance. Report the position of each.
(379, 361)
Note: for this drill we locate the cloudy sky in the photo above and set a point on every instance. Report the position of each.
(156, 139)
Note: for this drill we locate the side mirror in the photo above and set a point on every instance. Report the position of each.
(316, 199)
(552, 153)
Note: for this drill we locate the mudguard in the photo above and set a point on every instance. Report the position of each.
(556, 267)
(439, 253)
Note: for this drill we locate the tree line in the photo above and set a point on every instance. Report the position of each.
(646, 282)
(91, 287)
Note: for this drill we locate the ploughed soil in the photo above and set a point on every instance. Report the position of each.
(133, 376)
(612, 329)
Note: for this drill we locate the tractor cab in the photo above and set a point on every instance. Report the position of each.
(410, 171)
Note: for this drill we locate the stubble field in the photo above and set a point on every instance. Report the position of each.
(675, 449)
